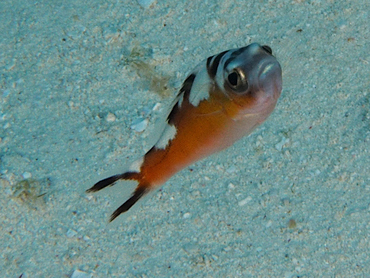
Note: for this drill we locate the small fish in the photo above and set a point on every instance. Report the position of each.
(225, 98)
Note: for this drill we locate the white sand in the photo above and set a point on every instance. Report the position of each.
(70, 91)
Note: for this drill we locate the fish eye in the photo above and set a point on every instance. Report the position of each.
(267, 49)
(233, 79)
(237, 80)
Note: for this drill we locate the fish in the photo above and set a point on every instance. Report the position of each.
(222, 100)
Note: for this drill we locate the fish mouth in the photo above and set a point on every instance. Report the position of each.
(270, 77)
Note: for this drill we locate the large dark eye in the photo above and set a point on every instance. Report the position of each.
(267, 49)
(233, 79)
(237, 80)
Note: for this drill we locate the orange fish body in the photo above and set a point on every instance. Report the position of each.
(222, 100)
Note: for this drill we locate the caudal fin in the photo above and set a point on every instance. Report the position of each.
(139, 192)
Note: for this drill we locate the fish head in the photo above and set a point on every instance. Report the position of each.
(252, 78)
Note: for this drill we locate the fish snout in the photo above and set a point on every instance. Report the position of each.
(270, 77)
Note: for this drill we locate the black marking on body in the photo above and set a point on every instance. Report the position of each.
(213, 63)
(233, 56)
(185, 91)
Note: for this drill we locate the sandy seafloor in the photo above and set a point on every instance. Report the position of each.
(291, 200)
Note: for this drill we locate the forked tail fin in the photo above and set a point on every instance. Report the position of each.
(139, 192)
